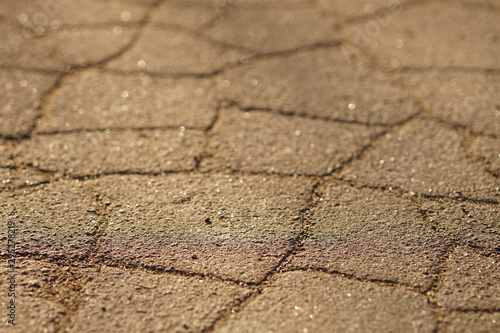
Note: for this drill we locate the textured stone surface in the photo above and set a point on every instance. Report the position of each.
(169, 51)
(12, 178)
(489, 149)
(467, 99)
(324, 83)
(34, 14)
(20, 97)
(472, 224)
(356, 8)
(415, 36)
(261, 141)
(265, 29)
(34, 311)
(372, 236)
(234, 227)
(437, 165)
(5, 155)
(153, 303)
(472, 282)
(476, 322)
(189, 14)
(316, 302)
(57, 220)
(112, 152)
(97, 100)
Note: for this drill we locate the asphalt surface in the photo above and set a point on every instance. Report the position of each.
(250, 166)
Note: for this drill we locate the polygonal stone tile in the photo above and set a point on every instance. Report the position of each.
(189, 14)
(21, 49)
(415, 36)
(12, 178)
(97, 100)
(92, 153)
(171, 52)
(19, 100)
(300, 302)
(472, 224)
(153, 303)
(489, 149)
(371, 235)
(468, 99)
(355, 8)
(83, 47)
(262, 141)
(458, 322)
(52, 14)
(265, 29)
(235, 228)
(323, 83)
(32, 310)
(55, 220)
(472, 282)
(424, 158)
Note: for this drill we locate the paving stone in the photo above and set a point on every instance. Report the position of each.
(97, 100)
(427, 159)
(34, 312)
(52, 14)
(472, 322)
(472, 282)
(5, 156)
(152, 303)
(372, 236)
(114, 152)
(13, 178)
(468, 99)
(265, 29)
(357, 8)
(468, 223)
(233, 227)
(323, 83)
(189, 14)
(262, 141)
(489, 149)
(317, 302)
(21, 49)
(55, 220)
(19, 100)
(82, 47)
(173, 52)
(415, 36)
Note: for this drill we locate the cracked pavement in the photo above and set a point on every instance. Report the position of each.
(250, 165)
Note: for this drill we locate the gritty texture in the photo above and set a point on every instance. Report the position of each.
(489, 150)
(276, 143)
(168, 51)
(414, 37)
(466, 99)
(34, 311)
(420, 169)
(235, 227)
(20, 99)
(477, 322)
(96, 100)
(13, 178)
(158, 303)
(316, 302)
(309, 89)
(268, 29)
(472, 282)
(467, 223)
(56, 220)
(150, 151)
(372, 236)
